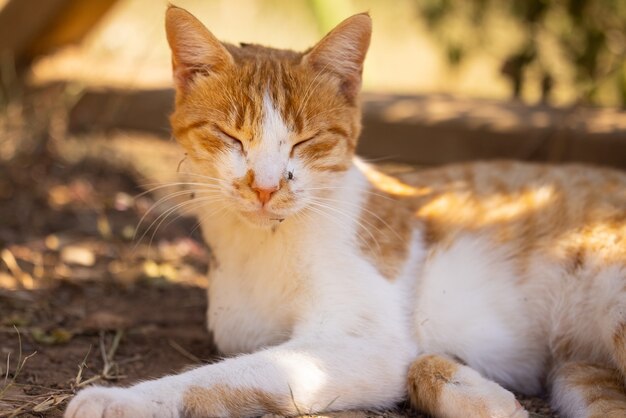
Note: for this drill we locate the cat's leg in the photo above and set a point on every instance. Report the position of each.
(585, 390)
(444, 388)
(613, 325)
(300, 376)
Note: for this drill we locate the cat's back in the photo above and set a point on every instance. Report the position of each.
(483, 180)
(570, 207)
(569, 215)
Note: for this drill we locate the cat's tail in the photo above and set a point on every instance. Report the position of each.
(585, 385)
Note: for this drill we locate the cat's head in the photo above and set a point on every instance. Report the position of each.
(270, 129)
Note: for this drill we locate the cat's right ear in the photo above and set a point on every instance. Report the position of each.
(195, 50)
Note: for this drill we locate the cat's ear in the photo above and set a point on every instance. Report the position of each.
(195, 50)
(342, 52)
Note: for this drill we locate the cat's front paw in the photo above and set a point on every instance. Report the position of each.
(469, 395)
(500, 403)
(491, 401)
(101, 402)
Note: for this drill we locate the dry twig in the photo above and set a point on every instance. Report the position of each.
(109, 364)
(183, 352)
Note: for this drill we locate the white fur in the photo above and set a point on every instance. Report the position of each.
(471, 288)
(567, 399)
(269, 158)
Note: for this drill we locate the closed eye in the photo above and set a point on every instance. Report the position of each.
(303, 142)
(232, 139)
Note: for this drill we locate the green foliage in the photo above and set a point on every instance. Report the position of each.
(589, 36)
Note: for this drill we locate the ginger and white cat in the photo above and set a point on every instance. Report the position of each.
(343, 288)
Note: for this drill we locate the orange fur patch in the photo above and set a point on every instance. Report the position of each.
(426, 379)
(619, 347)
(601, 388)
(224, 400)
(385, 232)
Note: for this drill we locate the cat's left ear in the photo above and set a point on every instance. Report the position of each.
(342, 52)
(195, 50)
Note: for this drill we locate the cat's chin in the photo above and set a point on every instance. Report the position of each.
(262, 219)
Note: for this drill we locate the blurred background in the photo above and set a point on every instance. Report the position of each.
(562, 52)
(101, 262)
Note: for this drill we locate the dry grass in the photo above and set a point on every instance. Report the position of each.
(15, 399)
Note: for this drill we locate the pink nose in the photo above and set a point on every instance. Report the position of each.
(264, 194)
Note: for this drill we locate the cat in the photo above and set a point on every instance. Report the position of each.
(335, 286)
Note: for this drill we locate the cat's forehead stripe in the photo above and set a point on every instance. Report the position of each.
(289, 88)
(246, 91)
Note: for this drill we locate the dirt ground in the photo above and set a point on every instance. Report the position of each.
(83, 300)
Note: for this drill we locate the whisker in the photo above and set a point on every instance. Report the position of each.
(166, 214)
(204, 176)
(349, 216)
(363, 209)
(189, 209)
(187, 206)
(163, 200)
(347, 188)
(173, 184)
(346, 214)
(338, 222)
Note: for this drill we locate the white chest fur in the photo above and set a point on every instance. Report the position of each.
(254, 289)
(251, 304)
